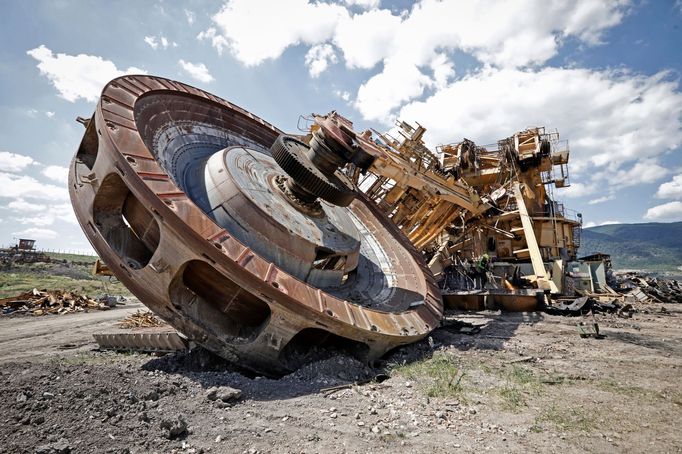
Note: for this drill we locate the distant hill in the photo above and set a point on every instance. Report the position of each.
(649, 246)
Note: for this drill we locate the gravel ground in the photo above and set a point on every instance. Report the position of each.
(525, 383)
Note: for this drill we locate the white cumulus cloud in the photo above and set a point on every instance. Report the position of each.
(197, 71)
(671, 211)
(258, 30)
(37, 233)
(318, 58)
(671, 190)
(589, 224)
(190, 16)
(363, 3)
(160, 42)
(606, 198)
(13, 162)
(578, 189)
(345, 95)
(57, 173)
(254, 31)
(77, 76)
(24, 206)
(218, 41)
(151, 40)
(26, 187)
(366, 39)
(612, 118)
(398, 83)
(47, 216)
(642, 172)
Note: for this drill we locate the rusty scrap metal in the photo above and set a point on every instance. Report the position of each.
(645, 288)
(101, 269)
(152, 340)
(463, 201)
(583, 306)
(22, 252)
(260, 245)
(178, 191)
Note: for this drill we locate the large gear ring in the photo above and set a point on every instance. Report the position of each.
(291, 155)
(234, 284)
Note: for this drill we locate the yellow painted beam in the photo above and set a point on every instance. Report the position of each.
(532, 243)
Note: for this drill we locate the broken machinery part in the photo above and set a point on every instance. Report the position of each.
(250, 243)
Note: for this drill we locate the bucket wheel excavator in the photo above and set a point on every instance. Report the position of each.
(265, 247)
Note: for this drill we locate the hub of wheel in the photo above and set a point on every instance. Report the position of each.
(251, 243)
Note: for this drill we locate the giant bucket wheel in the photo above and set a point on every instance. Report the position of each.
(179, 193)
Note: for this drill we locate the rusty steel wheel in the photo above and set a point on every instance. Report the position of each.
(178, 193)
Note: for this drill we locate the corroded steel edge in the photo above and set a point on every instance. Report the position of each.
(142, 341)
(188, 234)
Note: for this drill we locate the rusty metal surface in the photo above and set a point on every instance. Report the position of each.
(146, 340)
(143, 155)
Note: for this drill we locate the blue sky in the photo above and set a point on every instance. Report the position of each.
(606, 74)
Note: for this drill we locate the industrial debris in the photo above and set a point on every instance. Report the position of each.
(586, 305)
(589, 330)
(626, 294)
(260, 245)
(140, 319)
(23, 252)
(55, 302)
(159, 339)
(276, 252)
(101, 269)
(640, 287)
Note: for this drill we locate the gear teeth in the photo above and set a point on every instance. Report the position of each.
(336, 189)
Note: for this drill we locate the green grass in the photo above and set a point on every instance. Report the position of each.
(637, 392)
(438, 376)
(522, 376)
(567, 419)
(72, 257)
(50, 276)
(519, 384)
(513, 397)
(615, 387)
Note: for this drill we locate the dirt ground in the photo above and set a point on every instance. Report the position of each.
(525, 383)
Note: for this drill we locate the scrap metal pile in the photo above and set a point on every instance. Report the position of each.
(644, 288)
(258, 244)
(465, 204)
(23, 252)
(55, 302)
